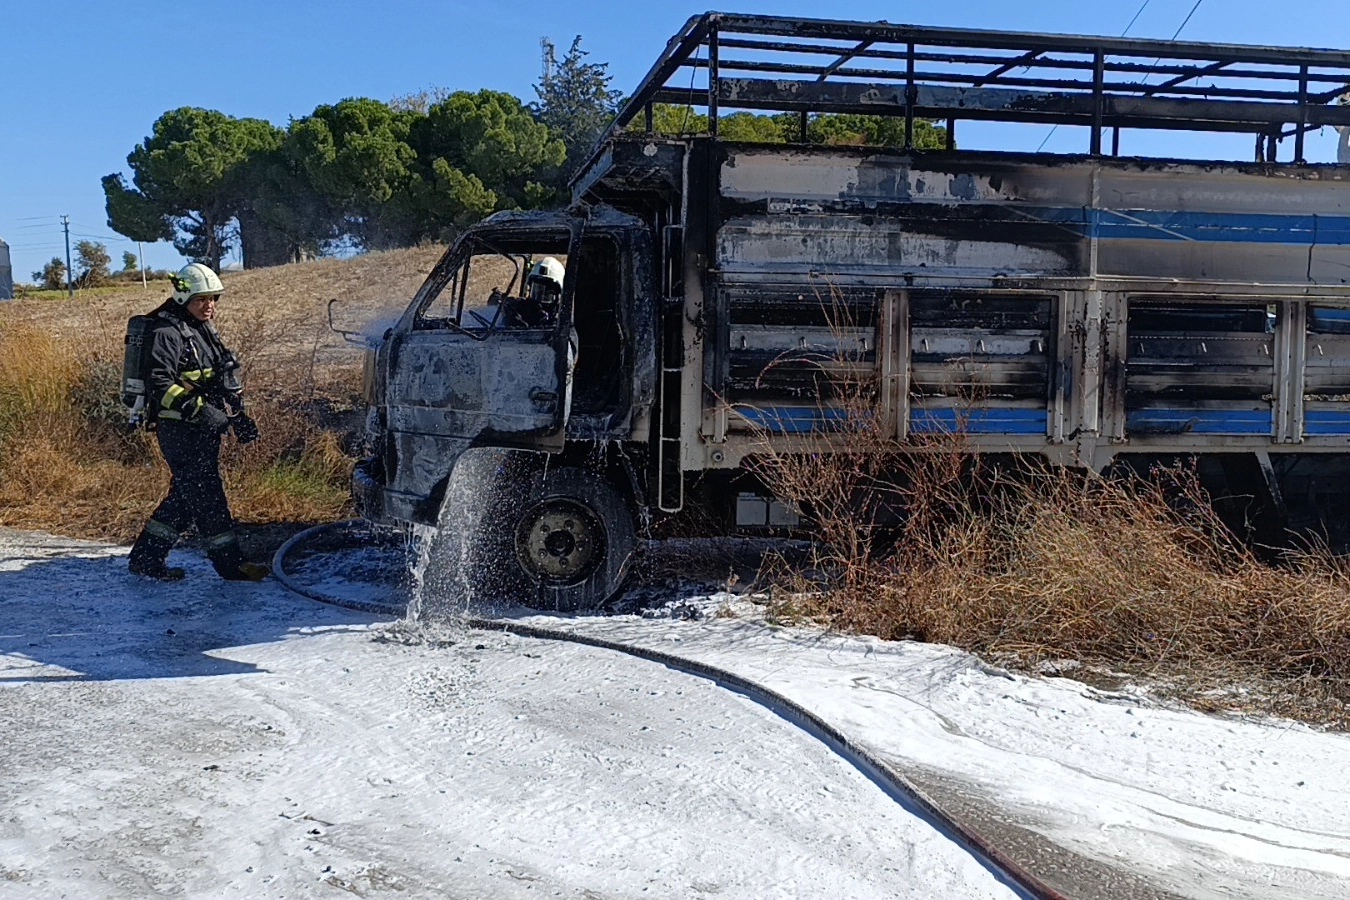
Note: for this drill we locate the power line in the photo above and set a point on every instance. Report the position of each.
(1187, 19)
(1175, 34)
(1135, 19)
(1139, 12)
(102, 237)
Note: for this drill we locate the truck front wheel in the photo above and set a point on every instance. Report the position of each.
(569, 539)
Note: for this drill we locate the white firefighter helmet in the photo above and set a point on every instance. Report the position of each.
(548, 272)
(193, 280)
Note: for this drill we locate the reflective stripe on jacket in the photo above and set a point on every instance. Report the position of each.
(183, 362)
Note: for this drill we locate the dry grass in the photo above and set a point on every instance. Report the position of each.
(1029, 564)
(66, 465)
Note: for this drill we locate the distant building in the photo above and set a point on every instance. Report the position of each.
(6, 273)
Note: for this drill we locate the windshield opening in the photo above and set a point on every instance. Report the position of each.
(499, 284)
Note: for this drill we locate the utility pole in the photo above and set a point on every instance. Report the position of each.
(70, 284)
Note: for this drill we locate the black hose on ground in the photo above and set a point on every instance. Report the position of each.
(350, 527)
(894, 783)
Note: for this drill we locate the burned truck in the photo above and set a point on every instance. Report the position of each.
(1096, 308)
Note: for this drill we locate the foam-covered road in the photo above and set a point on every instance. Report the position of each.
(209, 739)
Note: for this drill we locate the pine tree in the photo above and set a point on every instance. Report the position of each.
(575, 101)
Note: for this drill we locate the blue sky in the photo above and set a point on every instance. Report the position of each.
(84, 81)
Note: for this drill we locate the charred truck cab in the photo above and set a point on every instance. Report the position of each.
(1095, 309)
(475, 361)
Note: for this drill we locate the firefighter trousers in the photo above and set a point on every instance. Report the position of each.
(196, 497)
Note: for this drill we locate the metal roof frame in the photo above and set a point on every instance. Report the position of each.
(721, 61)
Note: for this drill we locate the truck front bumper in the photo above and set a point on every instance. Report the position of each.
(377, 503)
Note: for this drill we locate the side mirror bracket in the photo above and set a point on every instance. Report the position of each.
(351, 337)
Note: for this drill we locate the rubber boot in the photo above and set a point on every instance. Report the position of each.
(151, 550)
(223, 551)
(248, 571)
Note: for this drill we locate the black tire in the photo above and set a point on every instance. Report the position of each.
(570, 539)
(547, 538)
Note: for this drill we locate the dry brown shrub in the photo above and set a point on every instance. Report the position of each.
(1026, 562)
(1033, 563)
(49, 480)
(36, 373)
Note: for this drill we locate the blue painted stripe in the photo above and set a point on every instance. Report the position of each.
(1174, 225)
(1326, 421)
(1329, 320)
(794, 419)
(1199, 421)
(805, 419)
(978, 421)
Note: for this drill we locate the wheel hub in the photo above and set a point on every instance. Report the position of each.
(560, 541)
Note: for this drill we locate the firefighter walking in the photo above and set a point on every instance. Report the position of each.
(193, 396)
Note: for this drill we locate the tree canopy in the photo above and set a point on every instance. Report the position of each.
(188, 180)
(360, 172)
(52, 276)
(355, 158)
(821, 128)
(370, 174)
(483, 152)
(93, 261)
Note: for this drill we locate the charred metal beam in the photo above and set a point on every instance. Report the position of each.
(1302, 113)
(944, 72)
(1342, 88)
(678, 50)
(714, 78)
(1024, 41)
(939, 77)
(834, 66)
(911, 95)
(1039, 60)
(1023, 60)
(1173, 82)
(1223, 69)
(1098, 104)
(1021, 106)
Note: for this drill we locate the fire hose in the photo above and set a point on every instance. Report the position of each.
(894, 783)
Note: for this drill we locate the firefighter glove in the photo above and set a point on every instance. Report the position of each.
(245, 429)
(211, 417)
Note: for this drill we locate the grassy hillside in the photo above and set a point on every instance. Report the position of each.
(66, 465)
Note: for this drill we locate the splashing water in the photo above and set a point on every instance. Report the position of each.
(419, 556)
(440, 557)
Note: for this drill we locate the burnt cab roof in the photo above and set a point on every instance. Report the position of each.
(504, 226)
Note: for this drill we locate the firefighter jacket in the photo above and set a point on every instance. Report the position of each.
(187, 367)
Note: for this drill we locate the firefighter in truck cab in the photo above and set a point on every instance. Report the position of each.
(190, 395)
